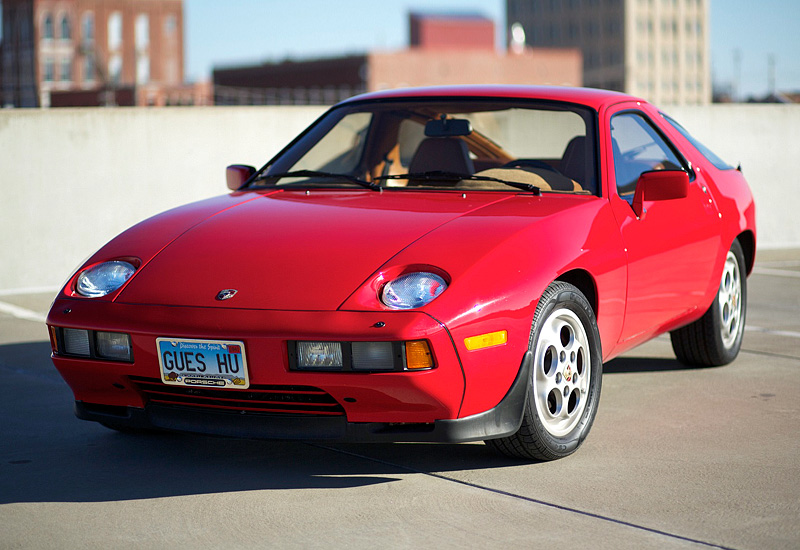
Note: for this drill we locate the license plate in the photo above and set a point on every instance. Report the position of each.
(206, 363)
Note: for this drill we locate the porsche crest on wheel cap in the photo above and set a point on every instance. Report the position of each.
(226, 294)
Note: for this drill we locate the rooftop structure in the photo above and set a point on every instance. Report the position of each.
(444, 49)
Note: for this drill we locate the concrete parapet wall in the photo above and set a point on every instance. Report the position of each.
(71, 179)
(765, 140)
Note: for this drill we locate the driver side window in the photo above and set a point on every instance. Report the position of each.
(638, 148)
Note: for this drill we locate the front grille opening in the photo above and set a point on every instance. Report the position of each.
(257, 399)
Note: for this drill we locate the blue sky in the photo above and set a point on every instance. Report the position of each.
(246, 31)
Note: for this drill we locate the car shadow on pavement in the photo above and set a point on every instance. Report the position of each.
(48, 455)
(622, 365)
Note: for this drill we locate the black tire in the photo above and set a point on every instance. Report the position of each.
(715, 338)
(566, 377)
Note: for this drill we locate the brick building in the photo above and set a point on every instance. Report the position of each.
(444, 49)
(93, 52)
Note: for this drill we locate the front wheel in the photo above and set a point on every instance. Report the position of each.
(715, 338)
(565, 380)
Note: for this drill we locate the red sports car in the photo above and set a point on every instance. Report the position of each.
(438, 264)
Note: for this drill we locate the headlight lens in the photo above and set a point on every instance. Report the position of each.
(412, 290)
(104, 278)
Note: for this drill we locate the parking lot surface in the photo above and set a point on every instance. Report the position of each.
(677, 458)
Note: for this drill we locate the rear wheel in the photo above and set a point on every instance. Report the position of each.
(565, 378)
(715, 338)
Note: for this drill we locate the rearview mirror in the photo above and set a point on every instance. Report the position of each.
(659, 185)
(444, 127)
(237, 174)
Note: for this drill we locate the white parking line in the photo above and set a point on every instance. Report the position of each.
(776, 272)
(22, 313)
(787, 333)
(29, 290)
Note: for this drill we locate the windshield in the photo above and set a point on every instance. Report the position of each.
(491, 144)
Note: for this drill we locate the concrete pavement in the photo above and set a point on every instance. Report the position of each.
(677, 458)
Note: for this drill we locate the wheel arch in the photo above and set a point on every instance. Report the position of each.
(583, 281)
(748, 242)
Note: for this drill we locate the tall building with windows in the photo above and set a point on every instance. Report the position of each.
(655, 49)
(92, 52)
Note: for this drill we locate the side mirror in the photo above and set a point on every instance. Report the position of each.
(237, 174)
(659, 185)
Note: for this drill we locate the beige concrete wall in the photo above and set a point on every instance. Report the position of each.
(72, 179)
(765, 140)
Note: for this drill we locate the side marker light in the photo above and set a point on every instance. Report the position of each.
(486, 340)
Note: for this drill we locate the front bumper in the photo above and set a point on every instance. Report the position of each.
(388, 399)
(500, 421)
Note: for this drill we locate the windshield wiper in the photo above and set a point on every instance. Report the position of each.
(318, 174)
(439, 175)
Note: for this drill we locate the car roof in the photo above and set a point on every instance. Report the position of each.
(590, 97)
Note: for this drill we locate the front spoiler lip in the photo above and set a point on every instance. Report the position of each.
(501, 421)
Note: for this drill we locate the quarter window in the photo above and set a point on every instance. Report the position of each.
(705, 151)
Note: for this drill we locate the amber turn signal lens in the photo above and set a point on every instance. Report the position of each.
(486, 340)
(54, 339)
(418, 355)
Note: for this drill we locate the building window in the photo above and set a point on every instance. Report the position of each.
(170, 25)
(87, 27)
(47, 29)
(115, 68)
(142, 69)
(88, 68)
(142, 42)
(142, 31)
(66, 70)
(49, 70)
(66, 31)
(115, 31)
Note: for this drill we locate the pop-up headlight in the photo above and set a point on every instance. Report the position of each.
(412, 290)
(104, 278)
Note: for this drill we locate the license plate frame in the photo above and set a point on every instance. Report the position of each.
(196, 362)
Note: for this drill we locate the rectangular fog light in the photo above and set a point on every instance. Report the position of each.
(114, 345)
(319, 355)
(76, 342)
(373, 356)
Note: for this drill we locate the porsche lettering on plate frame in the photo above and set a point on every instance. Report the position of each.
(433, 264)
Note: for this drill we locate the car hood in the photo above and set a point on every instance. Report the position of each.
(287, 250)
